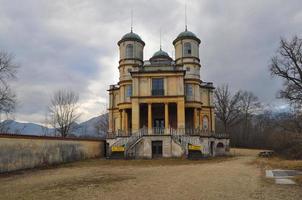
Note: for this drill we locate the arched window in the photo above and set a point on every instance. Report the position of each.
(205, 123)
(187, 49)
(129, 51)
(220, 145)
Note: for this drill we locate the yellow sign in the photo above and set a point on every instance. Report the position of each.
(117, 148)
(194, 147)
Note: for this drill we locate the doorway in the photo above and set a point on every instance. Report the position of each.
(157, 149)
(159, 126)
(212, 148)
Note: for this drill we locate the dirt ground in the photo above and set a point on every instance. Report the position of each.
(221, 178)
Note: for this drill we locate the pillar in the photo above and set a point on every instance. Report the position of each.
(111, 128)
(149, 118)
(195, 118)
(166, 117)
(181, 114)
(121, 124)
(126, 122)
(123, 120)
(135, 115)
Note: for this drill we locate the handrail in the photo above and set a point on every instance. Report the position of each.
(170, 131)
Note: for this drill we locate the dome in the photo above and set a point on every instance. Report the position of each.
(161, 58)
(160, 53)
(186, 34)
(132, 37)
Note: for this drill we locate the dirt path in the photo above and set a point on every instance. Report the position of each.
(233, 178)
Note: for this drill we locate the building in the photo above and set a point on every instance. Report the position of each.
(161, 107)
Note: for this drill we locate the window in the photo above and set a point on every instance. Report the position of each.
(205, 123)
(188, 69)
(187, 49)
(189, 90)
(128, 91)
(129, 51)
(158, 86)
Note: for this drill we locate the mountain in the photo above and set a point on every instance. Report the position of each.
(88, 128)
(11, 126)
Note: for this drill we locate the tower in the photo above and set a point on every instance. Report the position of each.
(187, 53)
(131, 49)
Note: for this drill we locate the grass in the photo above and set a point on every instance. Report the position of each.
(280, 163)
(99, 162)
(144, 162)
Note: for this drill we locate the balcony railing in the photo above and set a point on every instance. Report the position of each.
(170, 131)
(158, 92)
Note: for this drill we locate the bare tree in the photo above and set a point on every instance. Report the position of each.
(249, 106)
(227, 106)
(8, 70)
(64, 111)
(287, 64)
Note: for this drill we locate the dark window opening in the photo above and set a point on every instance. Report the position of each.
(157, 86)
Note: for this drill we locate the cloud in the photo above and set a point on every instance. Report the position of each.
(73, 44)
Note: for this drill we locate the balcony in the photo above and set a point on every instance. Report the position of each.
(169, 131)
(158, 92)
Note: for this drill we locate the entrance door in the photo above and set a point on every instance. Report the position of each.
(159, 125)
(212, 148)
(157, 149)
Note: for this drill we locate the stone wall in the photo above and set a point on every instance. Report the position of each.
(23, 152)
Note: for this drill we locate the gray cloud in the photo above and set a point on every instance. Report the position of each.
(72, 44)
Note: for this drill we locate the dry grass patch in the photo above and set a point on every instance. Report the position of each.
(144, 163)
(278, 163)
(245, 152)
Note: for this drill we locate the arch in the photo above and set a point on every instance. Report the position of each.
(129, 51)
(220, 145)
(205, 122)
(187, 49)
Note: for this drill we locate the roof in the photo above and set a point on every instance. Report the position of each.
(160, 53)
(186, 35)
(131, 36)
(161, 58)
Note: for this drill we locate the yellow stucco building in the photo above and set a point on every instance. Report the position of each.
(160, 100)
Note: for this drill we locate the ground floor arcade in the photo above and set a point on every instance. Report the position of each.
(158, 118)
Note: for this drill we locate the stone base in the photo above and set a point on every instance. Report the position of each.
(171, 147)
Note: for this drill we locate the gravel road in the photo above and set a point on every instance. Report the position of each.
(231, 178)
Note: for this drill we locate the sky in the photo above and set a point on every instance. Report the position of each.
(72, 44)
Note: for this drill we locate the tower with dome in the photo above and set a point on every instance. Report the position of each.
(160, 107)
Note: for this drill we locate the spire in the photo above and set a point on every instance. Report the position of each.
(131, 20)
(186, 23)
(160, 39)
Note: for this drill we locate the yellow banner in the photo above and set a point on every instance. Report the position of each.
(194, 147)
(117, 148)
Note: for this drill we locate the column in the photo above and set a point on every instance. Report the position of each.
(166, 118)
(181, 114)
(149, 118)
(111, 128)
(135, 115)
(123, 119)
(195, 118)
(126, 122)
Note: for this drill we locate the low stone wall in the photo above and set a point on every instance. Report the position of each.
(23, 152)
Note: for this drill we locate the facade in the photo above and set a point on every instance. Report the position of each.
(161, 107)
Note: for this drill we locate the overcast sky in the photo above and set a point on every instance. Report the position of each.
(73, 44)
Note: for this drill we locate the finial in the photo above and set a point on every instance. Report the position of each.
(186, 23)
(131, 20)
(160, 39)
